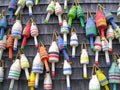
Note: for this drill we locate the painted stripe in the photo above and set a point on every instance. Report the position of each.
(53, 53)
(97, 45)
(67, 69)
(74, 40)
(103, 81)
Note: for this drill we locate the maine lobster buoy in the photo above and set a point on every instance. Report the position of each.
(37, 68)
(47, 82)
(50, 10)
(97, 48)
(53, 56)
(110, 36)
(59, 12)
(67, 70)
(29, 4)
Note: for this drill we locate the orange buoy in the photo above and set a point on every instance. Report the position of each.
(9, 44)
(101, 23)
(44, 56)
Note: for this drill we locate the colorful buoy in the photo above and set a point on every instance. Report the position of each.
(64, 30)
(101, 23)
(67, 71)
(20, 5)
(47, 82)
(1, 71)
(37, 68)
(29, 4)
(117, 33)
(44, 56)
(9, 45)
(53, 56)
(73, 41)
(14, 73)
(84, 59)
(12, 7)
(16, 33)
(34, 32)
(3, 26)
(105, 48)
(97, 48)
(26, 34)
(114, 75)
(60, 43)
(65, 4)
(2, 45)
(110, 36)
(59, 12)
(91, 30)
(50, 10)
(71, 15)
(24, 64)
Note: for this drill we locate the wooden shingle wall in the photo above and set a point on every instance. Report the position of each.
(45, 34)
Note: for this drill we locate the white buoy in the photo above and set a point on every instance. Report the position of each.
(84, 59)
(118, 60)
(110, 36)
(47, 82)
(65, 4)
(67, 70)
(73, 43)
(16, 33)
(2, 45)
(94, 83)
(118, 11)
(29, 4)
(14, 73)
(105, 48)
(65, 31)
(24, 64)
(59, 12)
(20, 4)
(50, 10)
(34, 33)
(97, 48)
(37, 68)
(53, 56)
(1, 74)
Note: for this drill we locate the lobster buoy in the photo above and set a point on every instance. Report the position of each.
(29, 4)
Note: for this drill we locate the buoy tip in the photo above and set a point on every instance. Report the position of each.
(22, 47)
(65, 8)
(68, 88)
(65, 44)
(92, 47)
(103, 38)
(108, 63)
(53, 74)
(15, 49)
(73, 56)
(60, 24)
(36, 86)
(110, 49)
(30, 14)
(96, 62)
(45, 21)
(85, 75)
(1, 38)
(36, 46)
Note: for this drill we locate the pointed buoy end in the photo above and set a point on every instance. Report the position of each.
(103, 38)
(68, 88)
(65, 8)
(36, 86)
(10, 89)
(96, 62)
(92, 47)
(73, 56)
(36, 46)
(15, 14)
(110, 49)
(53, 74)
(46, 21)
(22, 47)
(30, 14)
(108, 63)
(85, 75)
(15, 49)
(65, 44)
(60, 24)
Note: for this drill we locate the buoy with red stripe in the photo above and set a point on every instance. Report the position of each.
(34, 32)
(101, 23)
(31, 80)
(20, 5)
(67, 70)
(73, 41)
(2, 45)
(16, 33)
(64, 30)
(105, 48)
(114, 75)
(44, 56)
(24, 64)
(84, 59)
(110, 36)
(118, 11)
(26, 34)
(14, 73)
(50, 10)
(37, 68)
(53, 56)
(12, 7)
(97, 48)
(59, 12)
(1, 71)
(47, 82)
(29, 4)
